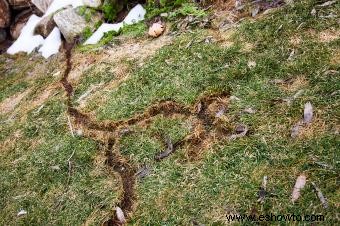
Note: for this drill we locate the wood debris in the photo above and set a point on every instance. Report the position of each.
(299, 185)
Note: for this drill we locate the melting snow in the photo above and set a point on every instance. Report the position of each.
(27, 41)
(96, 36)
(135, 15)
(52, 44)
(58, 4)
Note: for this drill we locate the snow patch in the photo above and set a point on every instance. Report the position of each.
(27, 41)
(135, 15)
(96, 36)
(59, 4)
(52, 44)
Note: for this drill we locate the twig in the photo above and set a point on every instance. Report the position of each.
(70, 166)
(322, 198)
(167, 152)
(70, 125)
(263, 190)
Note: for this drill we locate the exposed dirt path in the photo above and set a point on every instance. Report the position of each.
(206, 113)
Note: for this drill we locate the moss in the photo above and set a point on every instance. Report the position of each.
(87, 33)
(174, 7)
(134, 30)
(86, 12)
(111, 8)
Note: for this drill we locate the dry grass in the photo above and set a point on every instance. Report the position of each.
(297, 83)
(10, 103)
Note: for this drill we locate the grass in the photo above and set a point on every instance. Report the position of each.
(226, 179)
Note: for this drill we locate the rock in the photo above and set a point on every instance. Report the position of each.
(19, 23)
(42, 5)
(45, 26)
(156, 30)
(20, 4)
(5, 14)
(70, 23)
(93, 3)
(3, 35)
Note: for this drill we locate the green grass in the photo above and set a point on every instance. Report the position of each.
(227, 177)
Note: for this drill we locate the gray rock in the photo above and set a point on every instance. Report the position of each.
(45, 26)
(42, 5)
(70, 23)
(93, 3)
(5, 14)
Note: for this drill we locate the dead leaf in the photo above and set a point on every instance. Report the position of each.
(299, 185)
(296, 129)
(241, 131)
(322, 198)
(291, 55)
(234, 98)
(199, 107)
(143, 172)
(327, 3)
(120, 215)
(290, 100)
(289, 2)
(331, 72)
(313, 12)
(281, 81)
(249, 111)
(297, 94)
(255, 10)
(56, 167)
(220, 113)
(196, 223)
(238, 5)
(79, 132)
(263, 190)
(167, 152)
(308, 113)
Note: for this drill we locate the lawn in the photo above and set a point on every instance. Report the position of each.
(268, 67)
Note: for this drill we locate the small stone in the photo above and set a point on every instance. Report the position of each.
(22, 213)
(156, 30)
